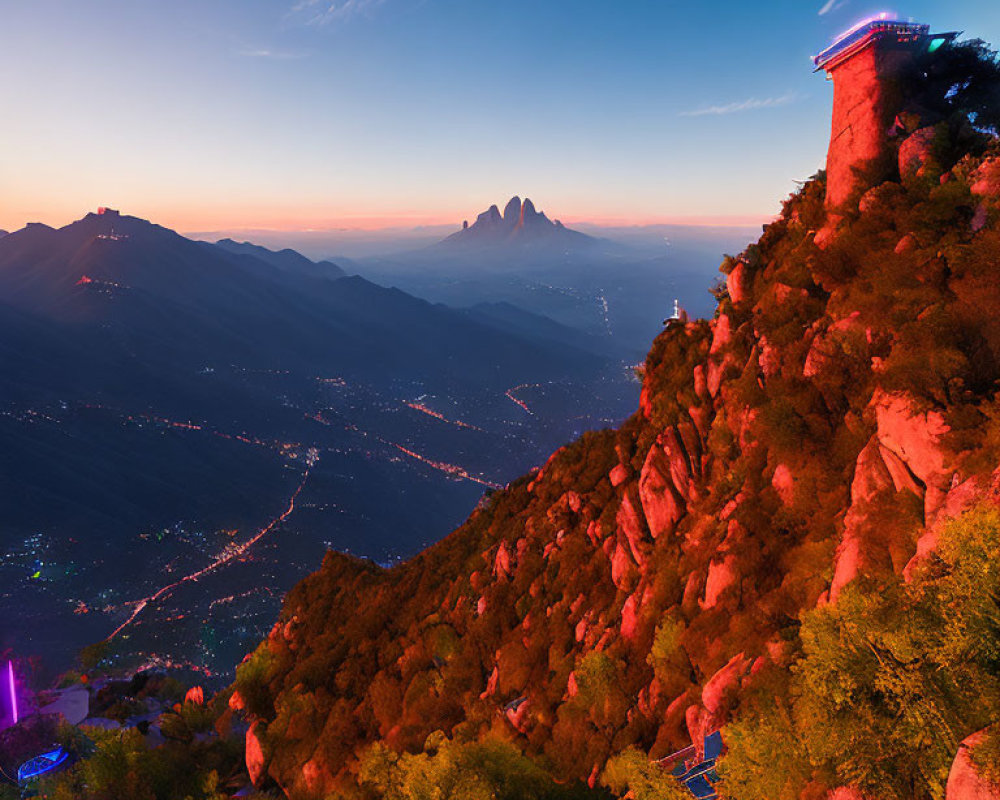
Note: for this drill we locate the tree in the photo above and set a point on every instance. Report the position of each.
(632, 772)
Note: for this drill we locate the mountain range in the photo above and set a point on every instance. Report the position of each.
(609, 290)
(779, 577)
(170, 395)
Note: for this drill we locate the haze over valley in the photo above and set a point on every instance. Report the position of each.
(167, 401)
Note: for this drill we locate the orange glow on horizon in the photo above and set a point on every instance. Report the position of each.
(313, 220)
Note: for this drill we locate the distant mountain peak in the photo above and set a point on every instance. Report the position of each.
(287, 259)
(520, 224)
(512, 211)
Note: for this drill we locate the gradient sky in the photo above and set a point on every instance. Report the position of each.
(208, 114)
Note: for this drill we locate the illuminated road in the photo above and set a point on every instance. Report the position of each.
(227, 555)
(430, 412)
(515, 399)
(449, 469)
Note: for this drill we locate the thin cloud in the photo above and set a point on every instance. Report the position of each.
(266, 52)
(326, 12)
(831, 5)
(751, 104)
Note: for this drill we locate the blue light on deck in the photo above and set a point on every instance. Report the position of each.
(39, 765)
(936, 44)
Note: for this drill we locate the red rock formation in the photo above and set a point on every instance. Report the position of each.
(716, 698)
(255, 753)
(916, 153)
(914, 435)
(502, 561)
(662, 502)
(867, 97)
(619, 475)
(738, 283)
(965, 782)
(630, 524)
(987, 179)
(722, 573)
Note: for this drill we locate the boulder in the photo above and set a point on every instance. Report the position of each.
(701, 383)
(502, 561)
(491, 684)
(965, 781)
(618, 475)
(857, 551)
(650, 698)
(518, 714)
(662, 504)
(722, 334)
(316, 775)
(717, 698)
(738, 283)
(255, 753)
(623, 569)
(783, 483)
(721, 687)
(630, 523)
(630, 616)
(828, 232)
(902, 478)
(906, 244)
(721, 575)
(646, 402)
(914, 435)
(916, 154)
(986, 179)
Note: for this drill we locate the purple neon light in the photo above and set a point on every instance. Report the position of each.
(13, 694)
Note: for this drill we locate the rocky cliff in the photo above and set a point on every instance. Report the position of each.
(812, 440)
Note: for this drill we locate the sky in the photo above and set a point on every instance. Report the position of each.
(316, 114)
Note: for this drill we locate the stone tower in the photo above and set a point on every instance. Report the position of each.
(866, 65)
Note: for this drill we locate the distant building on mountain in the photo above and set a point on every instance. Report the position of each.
(867, 65)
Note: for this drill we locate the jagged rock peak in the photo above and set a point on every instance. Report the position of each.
(490, 216)
(512, 211)
(522, 225)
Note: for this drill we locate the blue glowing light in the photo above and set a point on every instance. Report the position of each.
(39, 765)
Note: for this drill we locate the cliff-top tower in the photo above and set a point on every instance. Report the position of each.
(866, 65)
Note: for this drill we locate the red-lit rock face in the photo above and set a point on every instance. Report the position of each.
(965, 781)
(254, 754)
(866, 99)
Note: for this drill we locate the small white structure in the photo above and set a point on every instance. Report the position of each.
(676, 315)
